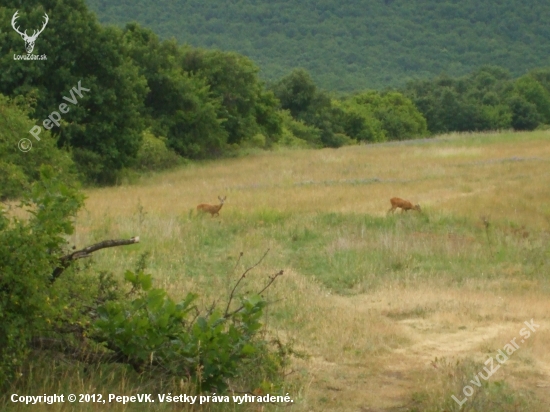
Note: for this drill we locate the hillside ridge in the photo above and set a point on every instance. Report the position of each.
(354, 45)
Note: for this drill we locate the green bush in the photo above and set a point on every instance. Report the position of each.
(524, 114)
(28, 257)
(153, 155)
(535, 93)
(376, 117)
(297, 133)
(19, 170)
(336, 140)
(359, 122)
(152, 332)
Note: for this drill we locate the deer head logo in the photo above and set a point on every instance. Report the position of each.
(29, 40)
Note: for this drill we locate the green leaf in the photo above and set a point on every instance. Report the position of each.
(248, 349)
(130, 276)
(146, 281)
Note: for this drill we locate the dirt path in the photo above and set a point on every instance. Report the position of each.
(386, 382)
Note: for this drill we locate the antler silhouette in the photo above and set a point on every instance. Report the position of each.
(15, 16)
(29, 40)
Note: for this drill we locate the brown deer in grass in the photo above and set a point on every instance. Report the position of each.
(212, 209)
(405, 205)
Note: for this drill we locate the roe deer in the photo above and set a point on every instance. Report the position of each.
(405, 205)
(212, 209)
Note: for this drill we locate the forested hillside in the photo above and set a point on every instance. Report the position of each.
(354, 44)
(150, 104)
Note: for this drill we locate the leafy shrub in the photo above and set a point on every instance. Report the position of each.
(535, 93)
(27, 260)
(153, 155)
(152, 332)
(296, 92)
(359, 122)
(19, 170)
(297, 133)
(336, 140)
(524, 114)
(376, 117)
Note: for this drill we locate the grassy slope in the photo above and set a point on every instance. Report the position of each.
(352, 45)
(373, 300)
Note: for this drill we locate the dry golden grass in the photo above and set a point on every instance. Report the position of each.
(374, 348)
(458, 174)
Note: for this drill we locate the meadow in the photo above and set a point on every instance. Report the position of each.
(390, 312)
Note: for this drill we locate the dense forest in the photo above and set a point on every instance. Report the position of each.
(150, 104)
(354, 44)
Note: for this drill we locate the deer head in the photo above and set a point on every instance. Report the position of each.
(29, 40)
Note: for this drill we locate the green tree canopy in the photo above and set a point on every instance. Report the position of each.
(354, 45)
(19, 170)
(104, 126)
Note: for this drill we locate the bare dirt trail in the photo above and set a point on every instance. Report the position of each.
(387, 382)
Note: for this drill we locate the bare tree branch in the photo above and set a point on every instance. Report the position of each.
(271, 280)
(240, 279)
(65, 261)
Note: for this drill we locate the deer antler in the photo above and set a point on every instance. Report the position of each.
(34, 34)
(15, 16)
(24, 34)
(29, 40)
